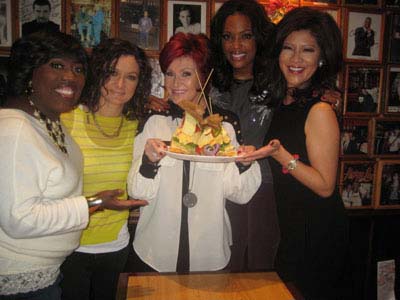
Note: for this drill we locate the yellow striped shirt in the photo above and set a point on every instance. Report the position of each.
(107, 161)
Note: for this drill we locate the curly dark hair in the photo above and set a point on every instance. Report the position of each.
(101, 65)
(263, 30)
(324, 29)
(35, 50)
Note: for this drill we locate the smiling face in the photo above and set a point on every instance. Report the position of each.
(120, 87)
(181, 80)
(57, 86)
(239, 45)
(299, 58)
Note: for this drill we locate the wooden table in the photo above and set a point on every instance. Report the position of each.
(204, 286)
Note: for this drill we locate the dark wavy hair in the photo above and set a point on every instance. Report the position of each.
(35, 50)
(102, 64)
(196, 46)
(324, 29)
(263, 30)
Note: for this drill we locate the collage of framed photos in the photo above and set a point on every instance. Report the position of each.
(370, 80)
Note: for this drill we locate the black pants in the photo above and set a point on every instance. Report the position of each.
(92, 276)
(255, 231)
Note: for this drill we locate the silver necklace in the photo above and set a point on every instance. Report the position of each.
(190, 198)
(54, 129)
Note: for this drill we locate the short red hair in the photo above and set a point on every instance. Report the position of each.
(196, 46)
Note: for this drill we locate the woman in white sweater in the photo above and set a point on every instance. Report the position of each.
(42, 211)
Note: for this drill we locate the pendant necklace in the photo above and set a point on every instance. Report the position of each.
(190, 198)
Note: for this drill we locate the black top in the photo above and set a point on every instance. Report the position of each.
(34, 26)
(313, 229)
(254, 115)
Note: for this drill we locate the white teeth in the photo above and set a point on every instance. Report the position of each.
(237, 56)
(65, 91)
(295, 69)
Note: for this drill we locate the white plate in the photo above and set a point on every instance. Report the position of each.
(201, 158)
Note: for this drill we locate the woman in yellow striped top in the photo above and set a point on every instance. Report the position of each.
(104, 127)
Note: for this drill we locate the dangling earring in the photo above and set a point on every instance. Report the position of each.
(29, 89)
(321, 63)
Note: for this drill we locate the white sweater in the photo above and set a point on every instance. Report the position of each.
(157, 234)
(41, 210)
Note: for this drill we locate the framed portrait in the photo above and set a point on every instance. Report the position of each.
(363, 86)
(388, 188)
(157, 79)
(5, 24)
(139, 23)
(354, 137)
(46, 17)
(387, 137)
(357, 183)
(89, 20)
(392, 99)
(392, 3)
(394, 38)
(363, 36)
(187, 17)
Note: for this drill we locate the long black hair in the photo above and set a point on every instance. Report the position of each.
(263, 30)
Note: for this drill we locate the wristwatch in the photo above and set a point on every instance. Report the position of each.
(292, 164)
(94, 201)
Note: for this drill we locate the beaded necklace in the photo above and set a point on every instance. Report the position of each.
(54, 128)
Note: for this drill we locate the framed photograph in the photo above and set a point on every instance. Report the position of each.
(354, 137)
(187, 17)
(388, 188)
(363, 88)
(387, 137)
(139, 23)
(392, 99)
(357, 183)
(5, 24)
(364, 3)
(44, 17)
(157, 78)
(363, 36)
(89, 20)
(394, 38)
(388, 191)
(392, 3)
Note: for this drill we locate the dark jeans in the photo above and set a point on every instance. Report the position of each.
(52, 292)
(92, 276)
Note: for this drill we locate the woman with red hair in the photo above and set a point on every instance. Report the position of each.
(185, 227)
